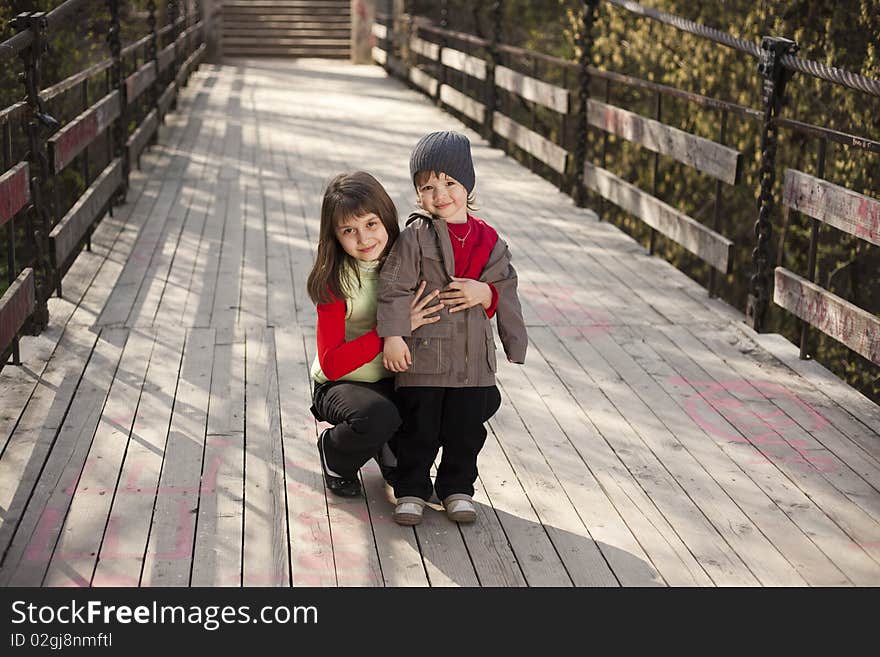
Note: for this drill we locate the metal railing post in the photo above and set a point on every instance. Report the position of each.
(491, 91)
(40, 126)
(585, 45)
(775, 76)
(117, 81)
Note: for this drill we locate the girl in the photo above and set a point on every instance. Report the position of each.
(353, 391)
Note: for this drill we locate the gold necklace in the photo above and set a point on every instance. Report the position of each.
(460, 239)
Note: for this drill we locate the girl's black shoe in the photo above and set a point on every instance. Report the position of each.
(337, 485)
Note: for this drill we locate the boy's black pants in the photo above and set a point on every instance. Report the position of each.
(365, 416)
(451, 418)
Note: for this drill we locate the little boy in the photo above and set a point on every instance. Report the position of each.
(445, 371)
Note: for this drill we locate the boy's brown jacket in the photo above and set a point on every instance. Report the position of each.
(459, 350)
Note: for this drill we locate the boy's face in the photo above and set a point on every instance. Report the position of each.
(363, 238)
(444, 197)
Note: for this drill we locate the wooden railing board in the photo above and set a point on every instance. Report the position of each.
(75, 224)
(530, 141)
(425, 48)
(421, 79)
(703, 242)
(379, 31)
(141, 137)
(139, 81)
(167, 97)
(379, 55)
(74, 137)
(836, 317)
(166, 56)
(16, 305)
(463, 103)
(461, 61)
(537, 91)
(15, 191)
(721, 162)
(846, 210)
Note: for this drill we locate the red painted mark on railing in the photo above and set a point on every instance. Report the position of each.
(15, 191)
(748, 407)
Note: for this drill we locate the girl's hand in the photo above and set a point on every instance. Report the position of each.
(418, 313)
(395, 354)
(464, 293)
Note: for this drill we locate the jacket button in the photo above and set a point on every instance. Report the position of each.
(425, 342)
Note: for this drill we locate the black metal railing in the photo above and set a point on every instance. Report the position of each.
(68, 149)
(571, 122)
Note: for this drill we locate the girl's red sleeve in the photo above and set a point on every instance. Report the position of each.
(336, 356)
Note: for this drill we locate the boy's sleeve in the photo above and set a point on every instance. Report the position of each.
(511, 325)
(398, 281)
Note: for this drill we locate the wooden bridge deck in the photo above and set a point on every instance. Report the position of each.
(158, 432)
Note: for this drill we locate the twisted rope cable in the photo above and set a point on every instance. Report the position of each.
(816, 69)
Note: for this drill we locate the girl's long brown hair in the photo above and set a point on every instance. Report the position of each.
(347, 195)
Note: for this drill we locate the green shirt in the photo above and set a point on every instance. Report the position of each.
(360, 318)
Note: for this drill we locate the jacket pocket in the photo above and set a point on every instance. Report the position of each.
(429, 355)
(490, 349)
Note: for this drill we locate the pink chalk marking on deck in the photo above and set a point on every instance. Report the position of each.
(714, 405)
(39, 547)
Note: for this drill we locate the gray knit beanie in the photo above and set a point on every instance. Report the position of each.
(444, 152)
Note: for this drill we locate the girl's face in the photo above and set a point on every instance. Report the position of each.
(364, 237)
(444, 197)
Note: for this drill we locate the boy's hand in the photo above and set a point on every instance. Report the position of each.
(395, 354)
(464, 293)
(418, 314)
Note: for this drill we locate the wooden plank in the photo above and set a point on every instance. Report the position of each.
(266, 555)
(166, 56)
(280, 308)
(736, 517)
(15, 191)
(464, 104)
(43, 523)
(705, 243)
(545, 150)
(379, 31)
(166, 98)
(843, 496)
(139, 81)
(515, 424)
(688, 377)
(28, 447)
(846, 210)
(721, 162)
(460, 61)
(74, 225)
(608, 413)
(252, 309)
(217, 558)
(311, 545)
(121, 558)
(189, 64)
(664, 548)
(64, 518)
(168, 559)
(426, 49)
(139, 139)
(421, 79)
(543, 93)
(16, 305)
(379, 55)
(444, 554)
(73, 138)
(836, 317)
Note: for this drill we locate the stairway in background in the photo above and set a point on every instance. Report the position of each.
(286, 28)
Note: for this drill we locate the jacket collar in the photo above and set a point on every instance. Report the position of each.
(442, 236)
